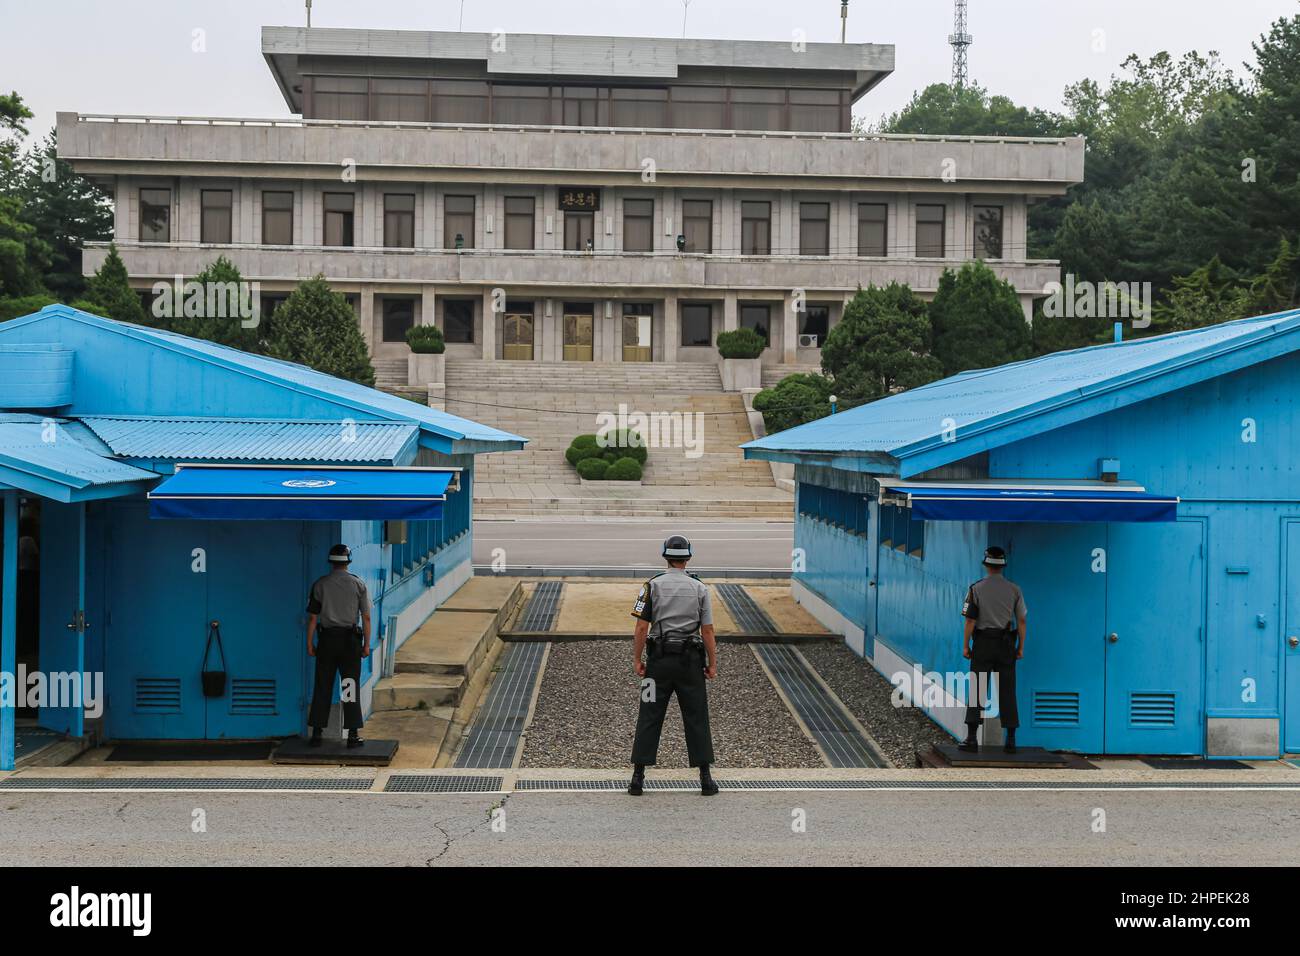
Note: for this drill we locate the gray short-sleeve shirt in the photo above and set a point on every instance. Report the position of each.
(994, 603)
(674, 601)
(338, 599)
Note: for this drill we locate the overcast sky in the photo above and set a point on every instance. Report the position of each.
(137, 56)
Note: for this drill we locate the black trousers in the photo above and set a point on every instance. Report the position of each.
(683, 675)
(993, 652)
(338, 650)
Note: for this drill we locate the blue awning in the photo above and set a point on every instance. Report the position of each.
(258, 493)
(1030, 502)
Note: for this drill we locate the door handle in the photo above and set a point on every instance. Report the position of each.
(1113, 637)
(1293, 641)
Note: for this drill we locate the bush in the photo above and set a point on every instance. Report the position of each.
(625, 469)
(19, 306)
(796, 399)
(741, 344)
(593, 469)
(316, 327)
(623, 443)
(426, 340)
(585, 441)
(576, 453)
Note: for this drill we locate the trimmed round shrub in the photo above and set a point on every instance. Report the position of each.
(742, 343)
(593, 469)
(584, 441)
(625, 469)
(425, 339)
(626, 443)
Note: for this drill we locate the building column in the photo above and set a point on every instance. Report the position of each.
(428, 303)
(489, 335)
(789, 331)
(367, 317)
(9, 627)
(730, 313)
(672, 328)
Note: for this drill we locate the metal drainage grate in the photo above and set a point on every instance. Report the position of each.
(618, 785)
(187, 783)
(749, 617)
(441, 783)
(493, 736)
(835, 733)
(542, 607)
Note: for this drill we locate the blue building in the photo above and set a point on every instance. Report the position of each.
(153, 483)
(1148, 496)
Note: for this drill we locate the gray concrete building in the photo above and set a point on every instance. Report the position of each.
(569, 199)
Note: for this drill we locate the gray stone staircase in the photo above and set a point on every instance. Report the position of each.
(772, 374)
(631, 377)
(390, 374)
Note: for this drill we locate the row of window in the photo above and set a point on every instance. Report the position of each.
(900, 531)
(848, 512)
(667, 107)
(217, 224)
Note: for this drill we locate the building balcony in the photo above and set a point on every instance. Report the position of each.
(292, 148)
(670, 272)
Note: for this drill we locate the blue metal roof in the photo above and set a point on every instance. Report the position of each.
(951, 419)
(42, 456)
(226, 439)
(464, 434)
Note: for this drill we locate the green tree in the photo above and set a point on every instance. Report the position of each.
(796, 399)
(316, 326)
(24, 255)
(221, 319)
(880, 345)
(944, 110)
(109, 289)
(978, 321)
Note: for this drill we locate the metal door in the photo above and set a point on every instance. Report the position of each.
(1291, 638)
(155, 626)
(257, 590)
(579, 337)
(517, 342)
(1154, 638)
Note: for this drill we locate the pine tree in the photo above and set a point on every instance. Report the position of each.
(109, 289)
(316, 327)
(978, 320)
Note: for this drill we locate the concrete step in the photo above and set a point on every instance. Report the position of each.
(416, 691)
(772, 374)
(680, 376)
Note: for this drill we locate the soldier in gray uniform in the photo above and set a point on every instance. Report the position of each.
(675, 629)
(335, 603)
(994, 639)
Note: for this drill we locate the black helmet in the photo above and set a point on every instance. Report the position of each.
(340, 554)
(677, 548)
(995, 557)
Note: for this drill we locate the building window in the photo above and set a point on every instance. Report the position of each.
(399, 315)
(814, 229)
(697, 224)
(460, 101)
(638, 225)
(816, 320)
(900, 531)
(522, 105)
(640, 109)
(697, 324)
(699, 107)
(339, 97)
(578, 231)
(845, 510)
(988, 231)
(458, 320)
(755, 228)
(758, 109)
(519, 222)
(155, 215)
(816, 111)
(400, 100)
(338, 219)
(215, 215)
(929, 232)
(873, 229)
(270, 303)
(277, 218)
(458, 220)
(757, 316)
(399, 220)
(584, 106)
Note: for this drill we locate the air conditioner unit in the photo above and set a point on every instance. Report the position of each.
(807, 341)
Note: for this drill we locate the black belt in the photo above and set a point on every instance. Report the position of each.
(674, 644)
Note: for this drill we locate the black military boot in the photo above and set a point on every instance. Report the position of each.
(708, 786)
(970, 744)
(354, 739)
(315, 740)
(1010, 745)
(638, 780)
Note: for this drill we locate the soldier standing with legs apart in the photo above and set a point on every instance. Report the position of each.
(675, 630)
(995, 620)
(335, 603)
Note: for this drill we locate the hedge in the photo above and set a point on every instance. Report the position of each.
(593, 469)
(742, 343)
(625, 469)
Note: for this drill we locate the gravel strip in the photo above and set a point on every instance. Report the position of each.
(587, 706)
(900, 731)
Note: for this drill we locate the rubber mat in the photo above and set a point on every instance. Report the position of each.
(836, 734)
(749, 617)
(1194, 763)
(493, 735)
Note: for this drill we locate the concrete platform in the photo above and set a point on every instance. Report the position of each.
(372, 753)
(1030, 758)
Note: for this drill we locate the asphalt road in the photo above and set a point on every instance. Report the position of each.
(599, 544)
(1196, 828)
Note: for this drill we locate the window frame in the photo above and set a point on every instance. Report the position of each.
(748, 247)
(449, 233)
(641, 220)
(277, 211)
(978, 245)
(166, 208)
(697, 219)
(384, 317)
(347, 226)
(402, 219)
(941, 222)
(205, 222)
(882, 222)
(515, 219)
(447, 328)
(825, 249)
(682, 321)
